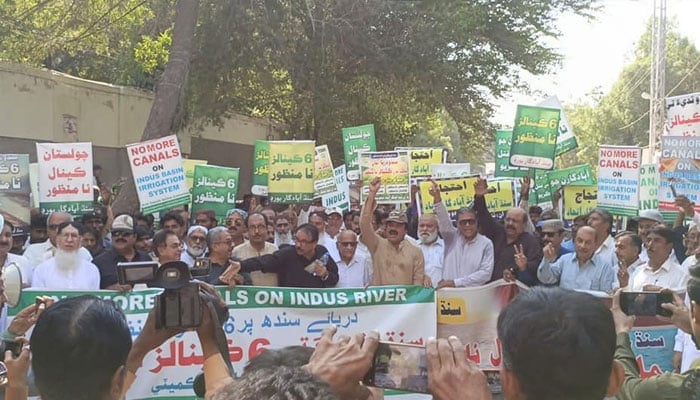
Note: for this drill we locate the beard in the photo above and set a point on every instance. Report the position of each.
(283, 238)
(428, 237)
(196, 251)
(67, 261)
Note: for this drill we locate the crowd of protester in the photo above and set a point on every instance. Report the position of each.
(558, 342)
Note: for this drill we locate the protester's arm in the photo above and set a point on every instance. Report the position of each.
(487, 225)
(369, 237)
(418, 267)
(447, 230)
(16, 388)
(481, 275)
(525, 184)
(549, 272)
(533, 253)
(265, 263)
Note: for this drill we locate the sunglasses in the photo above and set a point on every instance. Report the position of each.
(465, 222)
(117, 234)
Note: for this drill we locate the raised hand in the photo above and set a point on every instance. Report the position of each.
(520, 258)
(480, 187)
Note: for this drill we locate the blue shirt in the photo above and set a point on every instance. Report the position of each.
(595, 274)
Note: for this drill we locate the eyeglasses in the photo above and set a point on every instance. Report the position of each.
(53, 227)
(468, 221)
(198, 238)
(117, 234)
(348, 244)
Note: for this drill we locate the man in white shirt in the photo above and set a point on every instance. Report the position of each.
(628, 247)
(602, 221)
(468, 254)
(319, 219)
(433, 248)
(647, 219)
(39, 252)
(67, 270)
(353, 269)
(335, 222)
(662, 271)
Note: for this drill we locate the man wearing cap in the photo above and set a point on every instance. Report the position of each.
(39, 252)
(235, 223)
(468, 254)
(335, 222)
(552, 233)
(122, 250)
(581, 270)
(195, 244)
(395, 260)
(647, 220)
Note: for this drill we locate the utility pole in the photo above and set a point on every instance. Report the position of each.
(657, 101)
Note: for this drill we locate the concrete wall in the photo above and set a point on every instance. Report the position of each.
(38, 105)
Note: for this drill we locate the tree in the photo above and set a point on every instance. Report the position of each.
(621, 117)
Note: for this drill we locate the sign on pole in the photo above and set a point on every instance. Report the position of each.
(355, 140)
(392, 167)
(65, 177)
(324, 180)
(565, 139)
(679, 166)
(261, 165)
(291, 172)
(503, 168)
(341, 197)
(683, 115)
(421, 159)
(159, 174)
(618, 179)
(534, 137)
(579, 200)
(214, 189)
(15, 189)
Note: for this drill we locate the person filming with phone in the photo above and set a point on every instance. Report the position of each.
(685, 385)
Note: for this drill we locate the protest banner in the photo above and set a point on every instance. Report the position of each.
(679, 170)
(214, 189)
(458, 193)
(355, 140)
(578, 200)
(534, 137)
(566, 140)
(324, 179)
(65, 177)
(471, 315)
(267, 318)
(648, 187)
(15, 190)
(341, 197)
(291, 171)
(618, 179)
(392, 168)
(683, 115)
(503, 168)
(457, 170)
(421, 158)
(577, 175)
(261, 165)
(159, 174)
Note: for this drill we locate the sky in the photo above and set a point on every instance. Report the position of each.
(595, 52)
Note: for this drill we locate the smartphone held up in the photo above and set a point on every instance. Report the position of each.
(646, 303)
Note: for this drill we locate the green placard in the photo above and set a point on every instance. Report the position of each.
(534, 137)
(215, 189)
(577, 175)
(261, 159)
(355, 140)
(502, 157)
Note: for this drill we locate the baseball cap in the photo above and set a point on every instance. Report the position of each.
(398, 217)
(334, 210)
(123, 223)
(653, 215)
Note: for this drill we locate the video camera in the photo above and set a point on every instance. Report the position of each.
(181, 303)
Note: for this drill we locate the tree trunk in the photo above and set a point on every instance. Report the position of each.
(169, 91)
